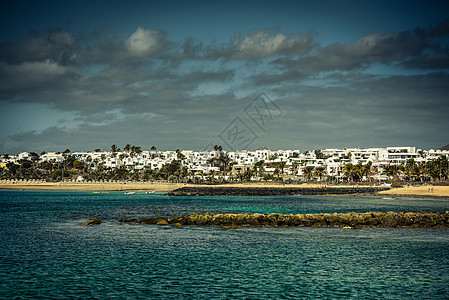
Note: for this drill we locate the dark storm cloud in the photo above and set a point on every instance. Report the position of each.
(441, 29)
(55, 45)
(144, 89)
(138, 127)
(437, 60)
(369, 49)
(104, 45)
(381, 112)
(412, 49)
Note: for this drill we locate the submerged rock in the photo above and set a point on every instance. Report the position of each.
(92, 221)
(162, 221)
(128, 220)
(148, 221)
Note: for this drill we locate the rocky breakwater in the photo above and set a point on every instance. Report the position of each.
(344, 220)
(272, 191)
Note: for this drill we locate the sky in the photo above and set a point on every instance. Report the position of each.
(297, 75)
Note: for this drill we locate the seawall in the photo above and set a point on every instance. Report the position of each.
(351, 219)
(272, 191)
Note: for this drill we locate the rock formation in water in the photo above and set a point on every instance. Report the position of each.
(351, 219)
(272, 191)
(93, 221)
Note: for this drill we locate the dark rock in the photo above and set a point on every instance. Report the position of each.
(161, 221)
(128, 220)
(270, 191)
(93, 221)
(345, 220)
(148, 221)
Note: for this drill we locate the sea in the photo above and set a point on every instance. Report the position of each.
(46, 254)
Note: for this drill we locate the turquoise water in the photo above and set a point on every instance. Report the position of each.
(44, 253)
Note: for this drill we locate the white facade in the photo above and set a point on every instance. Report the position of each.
(332, 160)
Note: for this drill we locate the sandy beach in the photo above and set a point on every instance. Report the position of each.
(439, 191)
(48, 186)
(130, 186)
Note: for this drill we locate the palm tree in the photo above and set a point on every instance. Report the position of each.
(421, 153)
(319, 154)
(248, 174)
(257, 167)
(421, 171)
(442, 165)
(114, 148)
(153, 149)
(308, 172)
(89, 161)
(295, 166)
(127, 147)
(358, 171)
(179, 155)
(410, 167)
(201, 173)
(212, 175)
(392, 170)
(183, 172)
(319, 171)
(281, 166)
(349, 170)
(367, 170)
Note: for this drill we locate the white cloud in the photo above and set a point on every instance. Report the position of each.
(262, 43)
(145, 42)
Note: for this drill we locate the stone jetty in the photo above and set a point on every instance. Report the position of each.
(273, 191)
(344, 220)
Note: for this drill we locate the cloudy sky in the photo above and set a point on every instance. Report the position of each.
(190, 74)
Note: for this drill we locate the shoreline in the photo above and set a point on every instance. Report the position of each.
(439, 192)
(418, 191)
(106, 187)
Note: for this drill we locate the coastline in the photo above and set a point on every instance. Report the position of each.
(418, 191)
(47, 186)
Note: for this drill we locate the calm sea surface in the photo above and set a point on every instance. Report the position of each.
(44, 253)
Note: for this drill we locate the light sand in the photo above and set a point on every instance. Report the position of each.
(439, 191)
(132, 186)
(157, 187)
